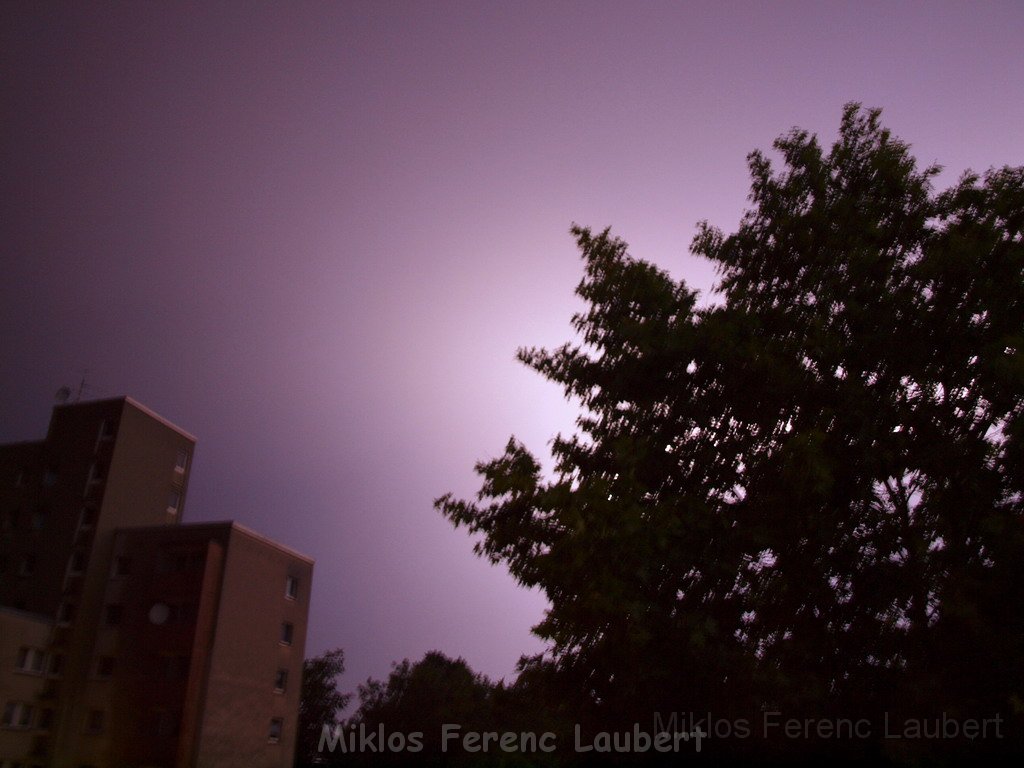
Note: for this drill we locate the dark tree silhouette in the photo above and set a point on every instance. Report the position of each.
(321, 702)
(401, 720)
(807, 496)
(420, 698)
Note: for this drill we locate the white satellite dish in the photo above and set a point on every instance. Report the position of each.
(159, 613)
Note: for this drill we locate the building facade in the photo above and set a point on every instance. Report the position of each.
(131, 639)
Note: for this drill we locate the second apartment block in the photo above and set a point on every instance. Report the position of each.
(136, 640)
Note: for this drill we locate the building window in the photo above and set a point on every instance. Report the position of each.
(88, 517)
(45, 719)
(287, 633)
(281, 681)
(291, 588)
(274, 734)
(113, 614)
(94, 722)
(57, 664)
(181, 462)
(17, 714)
(31, 660)
(165, 723)
(77, 562)
(106, 430)
(66, 613)
(184, 613)
(96, 473)
(39, 518)
(122, 565)
(168, 667)
(105, 666)
(187, 561)
(173, 500)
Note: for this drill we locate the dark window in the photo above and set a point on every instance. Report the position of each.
(45, 719)
(291, 588)
(185, 613)
(181, 462)
(39, 517)
(281, 680)
(17, 714)
(172, 667)
(31, 659)
(57, 664)
(165, 723)
(94, 723)
(276, 725)
(122, 566)
(77, 563)
(287, 633)
(181, 665)
(187, 561)
(105, 666)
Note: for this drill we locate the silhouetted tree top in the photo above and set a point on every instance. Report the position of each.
(320, 703)
(417, 696)
(808, 495)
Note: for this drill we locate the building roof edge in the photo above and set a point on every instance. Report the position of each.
(154, 415)
(266, 540)
(222, 524)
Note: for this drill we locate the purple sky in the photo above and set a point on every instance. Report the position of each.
(314, 234)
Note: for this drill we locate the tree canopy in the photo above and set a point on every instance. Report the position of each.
(418, 699)
(424, 695)
(807, 495)
(320, 702)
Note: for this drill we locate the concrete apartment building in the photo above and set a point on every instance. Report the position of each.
(126, 637)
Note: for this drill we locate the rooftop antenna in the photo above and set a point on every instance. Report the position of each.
(81, 385)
